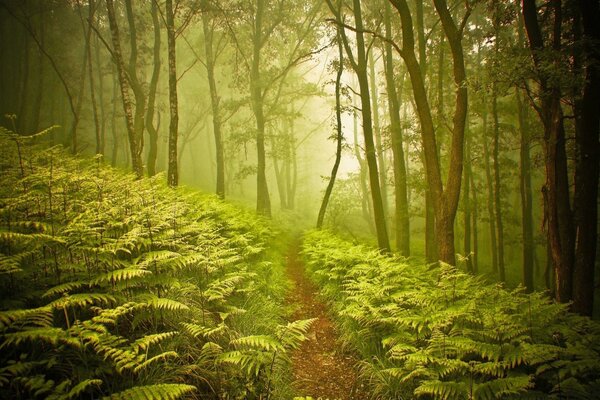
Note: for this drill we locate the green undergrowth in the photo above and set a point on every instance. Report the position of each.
(122, 288)
(426, 331)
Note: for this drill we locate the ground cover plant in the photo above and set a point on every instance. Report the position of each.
(437, 332)
(124, 288)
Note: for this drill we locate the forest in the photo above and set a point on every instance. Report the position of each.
(299, 199)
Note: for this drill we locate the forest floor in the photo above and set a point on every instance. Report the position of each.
(321, 369)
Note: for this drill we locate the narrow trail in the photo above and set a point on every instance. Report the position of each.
(320, 368)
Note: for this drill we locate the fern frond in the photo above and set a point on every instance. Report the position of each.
(260, 342)
(82, 300)
(41, 316)
(160, 357)
(51, 336)
(64, 288)
(442, 390)
(501, 387)
(164, 391)
(143, 343)
(119, 275)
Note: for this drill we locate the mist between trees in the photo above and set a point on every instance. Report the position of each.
(465, 132)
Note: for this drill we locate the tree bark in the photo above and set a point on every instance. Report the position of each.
(585, 204)
(445, 201)
(172, 172)
(214, 100)
(557, 212)
(263, 202)
(400, 187)
(135, 141)
(339, 136)
(360, 68)
(377, 133)
(150, 111)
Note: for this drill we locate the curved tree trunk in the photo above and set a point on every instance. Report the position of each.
(339, 135)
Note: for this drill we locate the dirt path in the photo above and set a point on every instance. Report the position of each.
(320, 369)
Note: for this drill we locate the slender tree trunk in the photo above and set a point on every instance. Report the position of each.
(135, 142)
(360, 67)
(496, 185)
(24, 90)
(364, 190)
(150, 112)
(400, 187)
(90, 70)
(377, 133)
(101, 95)
(585, 203)
(172, 173)
(475, 213)
(263, 202)
(467, 206)
(431, 250)
(526, 196)
(214, 100)
(339, 134)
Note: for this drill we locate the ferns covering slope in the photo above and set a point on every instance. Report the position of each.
(127, 289)
(436, 332)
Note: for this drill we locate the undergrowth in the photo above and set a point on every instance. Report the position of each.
(122, 288)
(437, 332)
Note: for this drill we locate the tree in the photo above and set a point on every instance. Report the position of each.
(209, 52)
(128, 81)
(445, 201)
(400, 187)
(339, 135)
(359, 65)
(172, 173)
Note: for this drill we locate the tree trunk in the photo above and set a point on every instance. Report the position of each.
(360, 68)
(475, 212)
(263, 202)
(497, 188)
(526, 196)
(214, 100)
(377, 133)
(445, 201)
(558, 215)
(172, 173)
(135, 142)
(585, 204)
(150, 127)
(467, 207)
(339, 135)
(400, 187)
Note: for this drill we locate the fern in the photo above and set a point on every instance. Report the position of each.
(163, 391)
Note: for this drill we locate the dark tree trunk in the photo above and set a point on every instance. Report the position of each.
(172, 172)
(377, 133)
(263, 202)
(497, 184)
(360, 67)
(445, 201)
(150, 112)
(526, 196)
(135, 141)
(585, 204)
(467, 207)
(214, 100)
(400, 188)
(339, 136)
(557, 210)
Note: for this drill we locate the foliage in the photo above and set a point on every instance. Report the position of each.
(125, 288)
(435, 331)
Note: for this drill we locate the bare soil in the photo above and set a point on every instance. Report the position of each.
(321, 369)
